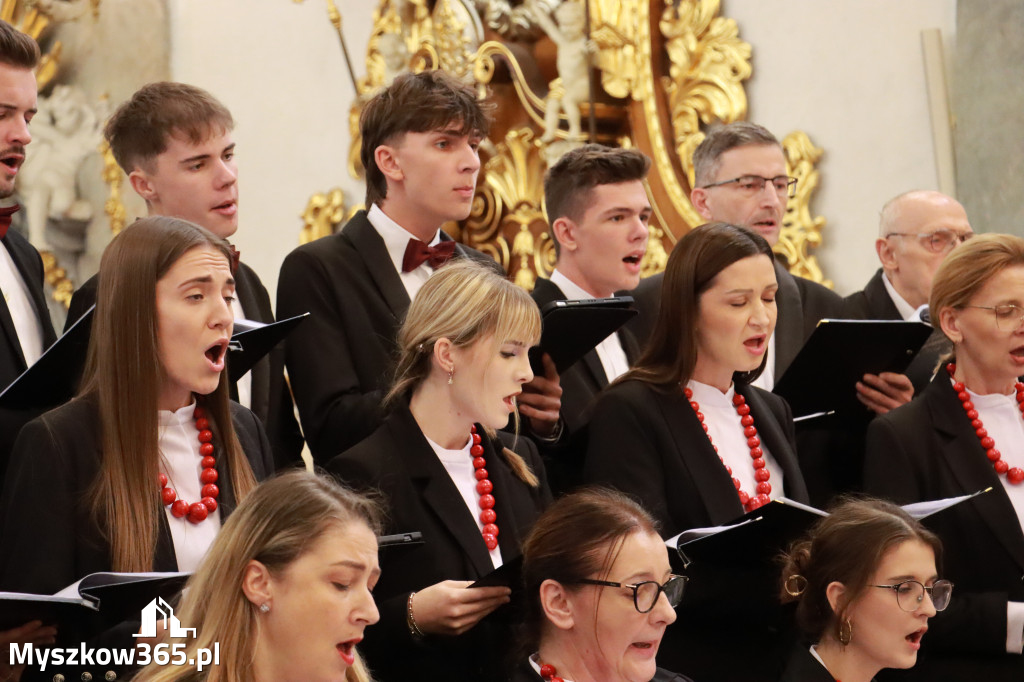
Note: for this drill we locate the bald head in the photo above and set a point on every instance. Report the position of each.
(916, 231)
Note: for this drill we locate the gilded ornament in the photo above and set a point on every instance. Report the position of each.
(324, 213)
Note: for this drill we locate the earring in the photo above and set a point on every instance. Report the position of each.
(795, 585)
(264, 607)
(451, 375)
(845, 632)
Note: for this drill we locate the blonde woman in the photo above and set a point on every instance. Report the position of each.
(965, 433)
(472, 493)
(285, 591)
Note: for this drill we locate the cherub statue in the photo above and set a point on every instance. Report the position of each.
(65, 131)
(573, 65)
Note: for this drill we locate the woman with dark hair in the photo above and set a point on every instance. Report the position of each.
(138, 472)
(866, 585)
(685, 432)
(285, 592)
(473, 493)
(599, 592)
(965, 433)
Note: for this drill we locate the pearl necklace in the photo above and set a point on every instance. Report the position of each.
(761, 473)
(484, 487)
(1014, 475)
(197, 511)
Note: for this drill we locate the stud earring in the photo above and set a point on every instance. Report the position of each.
(264, 607)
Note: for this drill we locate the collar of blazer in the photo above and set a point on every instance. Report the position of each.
(964, 456)
(440, 494)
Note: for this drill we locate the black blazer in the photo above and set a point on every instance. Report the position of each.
(271, 397)
(580, 384)
(398, 461)
(524, 672)
(341, 359)
(801, 304)
(874, 303)
(927, 450)
(651, 445)
(803, 667)
(12, 360)
(48, 539)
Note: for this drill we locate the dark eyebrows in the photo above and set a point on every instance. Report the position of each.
(205, 279)
(12, 107)
(193, 159)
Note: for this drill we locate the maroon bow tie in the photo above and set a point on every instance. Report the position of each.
(234, 259)
(5, 218)
(417, 253)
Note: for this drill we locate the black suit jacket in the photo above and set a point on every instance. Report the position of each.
(927, 450)
(801, 305)
(580, 384)
(271, 397)
(874, 303)
(48, 538)
(524, 672)
(341, 360)
(398, 461)
(803, 667)
(651, 445)
(12, 360)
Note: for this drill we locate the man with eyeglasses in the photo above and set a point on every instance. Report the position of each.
(740, 178)
(916, 231)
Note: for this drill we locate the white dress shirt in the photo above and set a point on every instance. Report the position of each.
(396, 239)
(178, 441)
(19, 303)
(613, 358)
(726, 433)
(905, 310)
(459, 465)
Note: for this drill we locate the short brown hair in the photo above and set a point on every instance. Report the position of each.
(139, 130)
(846, 546)
(568, 183)
(579, 536)
(17, 49)
(416, 103)
(720, 139)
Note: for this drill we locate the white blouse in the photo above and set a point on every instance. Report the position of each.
(459, 465)
(726, 433)
(181, 461)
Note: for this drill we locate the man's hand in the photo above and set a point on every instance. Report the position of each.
(541, 400)
(883, 392)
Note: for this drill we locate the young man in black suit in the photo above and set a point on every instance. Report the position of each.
(25, 327)
(598, 211)
(420, 140)
(916, 231)
(175, 143)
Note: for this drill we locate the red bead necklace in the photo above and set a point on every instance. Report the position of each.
(484, 487)
(197, 511)
(1014, 475)
(761, 473)
(549, 674)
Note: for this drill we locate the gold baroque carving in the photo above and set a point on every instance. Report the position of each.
(511, 194)
(799, 229)
(324, 212)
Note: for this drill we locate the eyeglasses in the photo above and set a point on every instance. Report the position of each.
(910, 594)
(939, 241)
(1008, 317)
(752, 185)
(647, 593)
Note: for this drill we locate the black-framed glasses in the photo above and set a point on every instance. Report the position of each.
(939, 241)
(910, 594)
(752, 185)
(1008, 317)
(646, 593)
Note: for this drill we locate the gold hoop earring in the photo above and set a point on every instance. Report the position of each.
(845, 632)
(795, 585)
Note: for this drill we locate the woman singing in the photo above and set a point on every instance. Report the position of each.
(472, 493)
(965, 433)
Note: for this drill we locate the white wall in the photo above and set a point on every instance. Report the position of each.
(848, 72)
